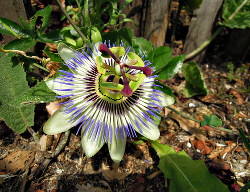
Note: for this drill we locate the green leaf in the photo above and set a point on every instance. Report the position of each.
(20, 44)
(184, 173)
(191, 5)
(37, 94)
(125, 3)
(245, 139)
(160, 57)
(9, 27)
(26, 26)
(212, 120)
(13, 83)
(142, 46)
(50, 37)
(95, 35)
(46, 14)
(52, 56)
(171, 68)
(195, 84)
(240, 9)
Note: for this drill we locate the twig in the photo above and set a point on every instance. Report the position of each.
(39, 171)
(21, 53)
(72, 22)
(153, 175)
(34, 134)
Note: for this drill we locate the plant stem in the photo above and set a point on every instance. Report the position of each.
(72, 22)
(86, 14)
(176, 22)
(62, 144)
(40, 67)
(182, 114)
(204, 44)
(80, 12)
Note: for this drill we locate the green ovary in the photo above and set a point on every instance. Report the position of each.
(109, 90)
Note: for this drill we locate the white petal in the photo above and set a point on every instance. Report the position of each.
(65, 52)
(166, 100)
(117, 148)
(57, 123)
(90, 145)
(152, 132)
(53, 86)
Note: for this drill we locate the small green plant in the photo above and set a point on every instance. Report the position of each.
(230, 74)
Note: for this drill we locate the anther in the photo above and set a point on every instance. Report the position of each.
(146, 70)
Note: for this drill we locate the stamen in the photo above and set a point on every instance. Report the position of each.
(116, 79)
(105, 66)
(131, 77)
(104, 49)
(146, 70)
(132, 62)
(126, 91)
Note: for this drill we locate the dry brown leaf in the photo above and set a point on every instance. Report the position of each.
(211, 99)
(17, 160)
(188, 125)
(117, 174)
(52, 107)
(52, 67)
(241, 115)
(214, 155)
(238, 96)
(202, 146)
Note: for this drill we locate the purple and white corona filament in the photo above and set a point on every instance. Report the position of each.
(111, 96)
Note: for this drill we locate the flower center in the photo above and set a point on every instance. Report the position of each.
(120, 73)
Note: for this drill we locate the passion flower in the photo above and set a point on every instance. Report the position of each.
(109, 94)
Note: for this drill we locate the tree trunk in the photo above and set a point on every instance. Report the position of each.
(12, 9)
(201, 26)
(151, 19)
